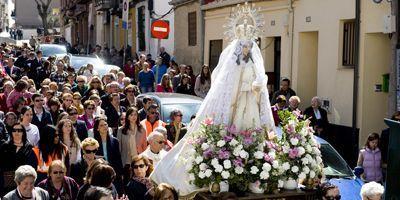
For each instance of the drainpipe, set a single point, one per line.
(202, 32)
(291, 35)
(356, 64)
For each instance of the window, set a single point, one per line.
(192, 28)
(215, 51)
(141, 28)
(349, 36)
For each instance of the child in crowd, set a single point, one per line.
(369, 159)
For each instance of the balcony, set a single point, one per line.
(103, 4)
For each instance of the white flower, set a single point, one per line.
(221, 143)
(280, 183)
(259, 155)
(199, 159)
(264, 175)
(316, 151)
(285, 166)
(238, 170)
(225, 174)
(203, 166)
(309, 148)
(208, 172)
(254, 170)
(272, 154)
(301, 151)
(302, 175)
(275, 164)
(319, 160)
(306, 170)
(244, 154)
(295, 169)
(191, 177)
(304, 161)
(202, 175)
(260, 147)
(205, 146)
(218, 168)
(227, 164)
(285, 149)
(214, 162)
(189, 166)
(233, 142)
(266, 167)
(236, 152)
(312, 174)
(294, 141)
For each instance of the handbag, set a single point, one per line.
(8, 177)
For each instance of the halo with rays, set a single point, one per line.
(246, 15)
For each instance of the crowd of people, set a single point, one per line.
(88, 136)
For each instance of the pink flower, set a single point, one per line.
(208, 121)
(231, 129)
(293, 153)
(268, 158)
(271, 135)
(245, 133)
(290, 128)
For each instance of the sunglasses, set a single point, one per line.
(77, 98)
(153, 113)
(58, 172)
(90, 108)
(95, 82)
(67, 99)
(90, 151)
(18, 130)
(179, 115)
(73, 113)
(160, 142)
(338, 197)
(80, 81)
(129, 91)
(41, 100)
(138, 166)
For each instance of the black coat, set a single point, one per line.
(137, 190)
(171, 132)
(113, 153)
(322, 123)
(78, 171)
(81, 129)
(46, 119)
(113, 116)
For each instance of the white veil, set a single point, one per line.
(172, 168)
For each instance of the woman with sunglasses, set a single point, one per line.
(70, 138)
(176, 129)
(16, 151)
(57, 184)
(79, 169)
(88, 117)
(130, 99)
(77, 102)
(95, 84)
(139, 187)
(50, 148)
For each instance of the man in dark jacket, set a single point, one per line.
(79, 125)
(41, 117)
(165, 56)
(285, 91)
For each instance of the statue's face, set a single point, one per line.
(246, 49)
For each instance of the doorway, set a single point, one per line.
(215, 51)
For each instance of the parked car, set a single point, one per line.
(79, 63)
(167, 102)
(338, 172)
(57, 50)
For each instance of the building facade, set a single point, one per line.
(312, 43)
(188, 34)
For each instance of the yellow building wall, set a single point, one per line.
(132, 18)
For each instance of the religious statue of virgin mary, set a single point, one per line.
(238, 95)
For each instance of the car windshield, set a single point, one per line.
(51, 50)
(334, 165)
(78, 62)
(188, 109)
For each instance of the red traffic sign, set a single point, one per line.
(160, 29)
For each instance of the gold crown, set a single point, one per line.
(244, 23)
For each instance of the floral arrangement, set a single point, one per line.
(244, 158)
(300, 155)
(223, 153)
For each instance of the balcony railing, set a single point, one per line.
(103, 4)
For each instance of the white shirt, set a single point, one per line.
(317, 113)
(154, 157)
(32, 134)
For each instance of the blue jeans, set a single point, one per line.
(147, 89)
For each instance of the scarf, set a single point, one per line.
(143, 180)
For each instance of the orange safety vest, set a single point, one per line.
(43, 167)
(149, 127)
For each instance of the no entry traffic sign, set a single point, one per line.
(160, 29)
